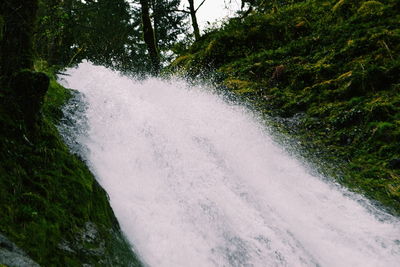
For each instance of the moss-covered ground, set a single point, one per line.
(50, 204)
(329, 67)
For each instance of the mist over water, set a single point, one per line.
(195, 181)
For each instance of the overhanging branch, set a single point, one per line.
(199, 5)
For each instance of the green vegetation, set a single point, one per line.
(51, 205)
(334, 66)
(107, 32)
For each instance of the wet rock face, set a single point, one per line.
(88, 242)
(94, 249)
(11, 255)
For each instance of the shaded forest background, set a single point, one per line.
(106, 32)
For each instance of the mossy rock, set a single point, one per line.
(181, 61)
(394, 189)
(383, 131)
(50, 201)
(371, 8)
(240, 87)
(236, 84)
(343, 6)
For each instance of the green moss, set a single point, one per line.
(49, 199)
(371, 8)
(340, 84)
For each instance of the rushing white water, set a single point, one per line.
(195, 181)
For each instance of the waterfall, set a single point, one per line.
(197, 181)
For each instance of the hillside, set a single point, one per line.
(328, 74)
(51, 205)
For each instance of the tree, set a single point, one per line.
(71, 30)
(168, 26)
(264, 5)
(192, 12)
(109, 32)
(16, 43)
(16, 62)
(149, 36)
(53, 37)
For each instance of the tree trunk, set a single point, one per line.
(195, 25)
(67, 34)
(16, 61)
(149, 39)
(16, 44)
(155, 6)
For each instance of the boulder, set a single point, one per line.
(11, 255)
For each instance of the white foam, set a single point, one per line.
(195, 181)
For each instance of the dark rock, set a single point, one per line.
(29, 89)
(394, 164)
(344, 139)
(278, 73)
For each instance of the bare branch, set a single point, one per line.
(180, 10)
(199, 5)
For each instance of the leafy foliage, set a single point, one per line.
(106, 32)
(69, 31)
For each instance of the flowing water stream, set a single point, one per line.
(195, 181)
